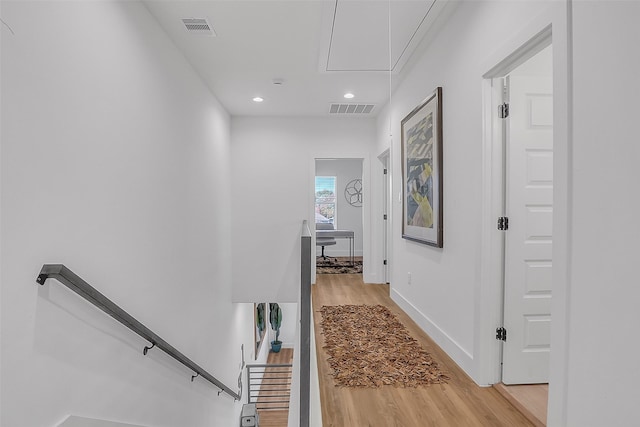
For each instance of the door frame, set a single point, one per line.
(487, 292)
(490, 301)
(365, 210)
(385, 160)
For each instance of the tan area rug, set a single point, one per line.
(369, 347)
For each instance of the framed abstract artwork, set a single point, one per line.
(260, 326)
(422, 172)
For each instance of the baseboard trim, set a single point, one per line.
(459, 355)
(75, 421)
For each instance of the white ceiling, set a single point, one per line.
(319, 48)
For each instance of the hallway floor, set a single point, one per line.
(459, 403)
(530, 399)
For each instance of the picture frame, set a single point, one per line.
(260, 326)
(422, 214)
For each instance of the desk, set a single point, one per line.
(339, 234)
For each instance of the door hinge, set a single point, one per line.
(503, 223)
(384, 262)
(384, 216)
(501, 334)
(384, 172)
(503, 110)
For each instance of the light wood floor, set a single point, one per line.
(460, 403)
(530, 399)
(274, 418)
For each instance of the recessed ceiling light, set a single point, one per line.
(257, 99)
(349, 95)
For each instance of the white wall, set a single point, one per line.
(273, 165)
(444, 289)
(601, 369)
(112, 160)
(115, 162)
(593, 378)
(348, 217)
(288, 329)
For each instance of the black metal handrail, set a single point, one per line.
(88, 292)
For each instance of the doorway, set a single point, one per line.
(528, 207)
(520, 122)
(339, 215)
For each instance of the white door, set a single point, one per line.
(528, 241)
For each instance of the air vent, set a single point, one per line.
(351, 108)
(199, 26)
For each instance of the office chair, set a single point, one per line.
(324, 241)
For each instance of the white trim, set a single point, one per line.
(488, 313)
(384, 155)
(369, 274)
(522, 54)
(462, 357)
(315, 405)
(79, 421)
(385, 206)
(559, 16)
(488, 302)
(562, 214)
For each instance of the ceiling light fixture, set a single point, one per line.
(349, 95)
(257, 99)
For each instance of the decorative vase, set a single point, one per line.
(276, 346)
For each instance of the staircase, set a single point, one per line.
(270, 388)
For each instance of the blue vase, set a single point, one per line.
(276, 346)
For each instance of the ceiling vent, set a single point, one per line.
(199, 26)
(351, 108)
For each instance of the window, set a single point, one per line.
(326, 199)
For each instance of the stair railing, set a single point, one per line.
(305, 324)
(71, 280)
(269, 385)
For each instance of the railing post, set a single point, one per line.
(305, 323)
